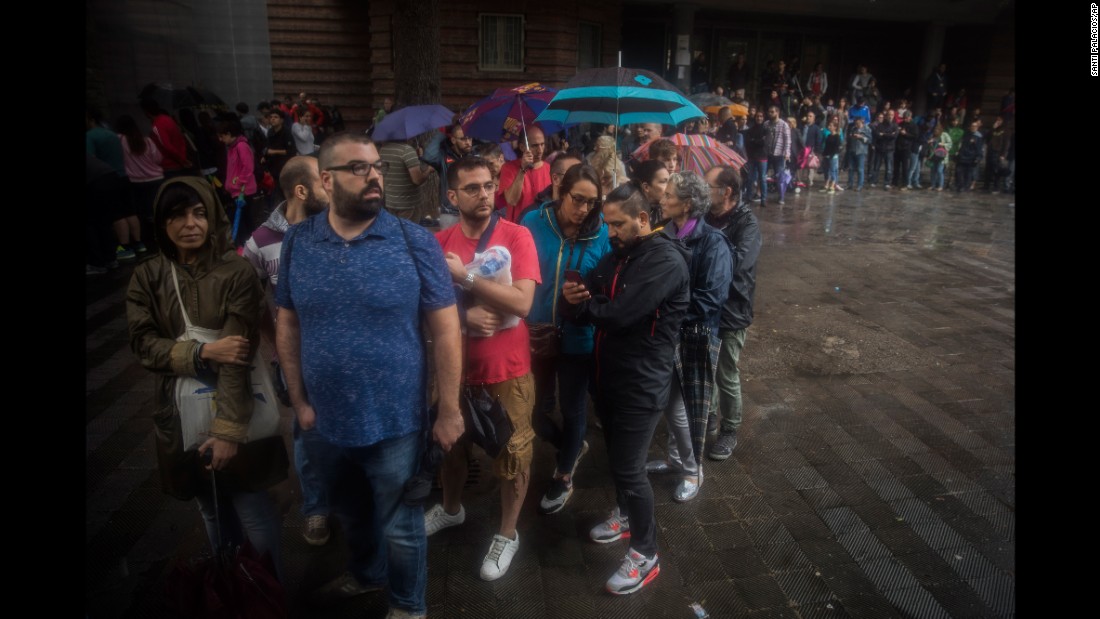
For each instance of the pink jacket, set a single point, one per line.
(239, 173)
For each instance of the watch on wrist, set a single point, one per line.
(468, 283)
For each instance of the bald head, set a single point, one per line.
(300, 181)
(298, 170)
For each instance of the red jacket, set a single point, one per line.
(171, 143)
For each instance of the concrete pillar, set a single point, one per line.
(684, 21)
(930, 58)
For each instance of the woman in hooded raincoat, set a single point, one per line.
(221, 292)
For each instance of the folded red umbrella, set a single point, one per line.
(698, 153)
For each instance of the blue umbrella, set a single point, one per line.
(411, 121)
(619, 96)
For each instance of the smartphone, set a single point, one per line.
(574, 276)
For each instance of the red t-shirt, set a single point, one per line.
(533, 182)
(507, 354)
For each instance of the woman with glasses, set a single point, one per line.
(197, 277)
(570, 237)
(686, 200)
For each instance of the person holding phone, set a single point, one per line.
(570, 238)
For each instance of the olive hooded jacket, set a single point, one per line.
(221, 292)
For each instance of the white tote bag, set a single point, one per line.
(195, 399)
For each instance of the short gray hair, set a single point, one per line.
(690, 187)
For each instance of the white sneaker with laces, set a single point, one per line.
(436, 519)
(635, 572)
(499, 558)
(615, 527)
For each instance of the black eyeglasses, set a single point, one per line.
(362, 168)
(589, 202)
(475, 190)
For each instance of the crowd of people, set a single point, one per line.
(949, 139)
(618, 278)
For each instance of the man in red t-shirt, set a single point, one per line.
(498, 358)
(524, 177)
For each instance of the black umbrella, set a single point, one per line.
(171, 98)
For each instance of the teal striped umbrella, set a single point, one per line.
(619, 96)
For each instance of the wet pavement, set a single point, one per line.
(874, 474)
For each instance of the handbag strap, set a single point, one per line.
(176, 282)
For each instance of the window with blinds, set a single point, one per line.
(588, 46)
(500, 42)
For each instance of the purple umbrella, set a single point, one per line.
(502, 115)
(411, 121)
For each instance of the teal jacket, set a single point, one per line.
(556, 254)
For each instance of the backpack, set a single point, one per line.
(939, 153)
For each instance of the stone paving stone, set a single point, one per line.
(998, 592)
(727, 535)
(803, 526)
(862, 544)
(824, 552)
(822, 498)
(788, 503)
(783, 557)
(767, 531)
(888, 574)
(751, 507)
(831, 609)
(917, 602)
(719, 599)
(759, 592)
(870, 607)
(742, 562)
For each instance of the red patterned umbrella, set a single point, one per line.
(698, 153)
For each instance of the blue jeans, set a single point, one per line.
(758, 171)
(251, 514)
(937, 174)
(880, 157)
(570, 372)
(856, 163)
(314, 485)
(914, 171)
(834, 162)
(385, 536)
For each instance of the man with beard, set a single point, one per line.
(355, 282)
(777, 147)
(305, 196)
(525, 176)
(441, 152)
(636, 297)
(498, 354)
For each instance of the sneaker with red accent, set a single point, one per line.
(635, 572)
(615, 527)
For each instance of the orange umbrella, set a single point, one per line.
(735, 108)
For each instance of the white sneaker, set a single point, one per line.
(615, 527)
(635, 572)
(499, 558)
(436, 519)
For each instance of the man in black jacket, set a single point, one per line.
(736, 221)
(886, 137)
(637, 297)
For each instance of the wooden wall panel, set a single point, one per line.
(323, 47)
